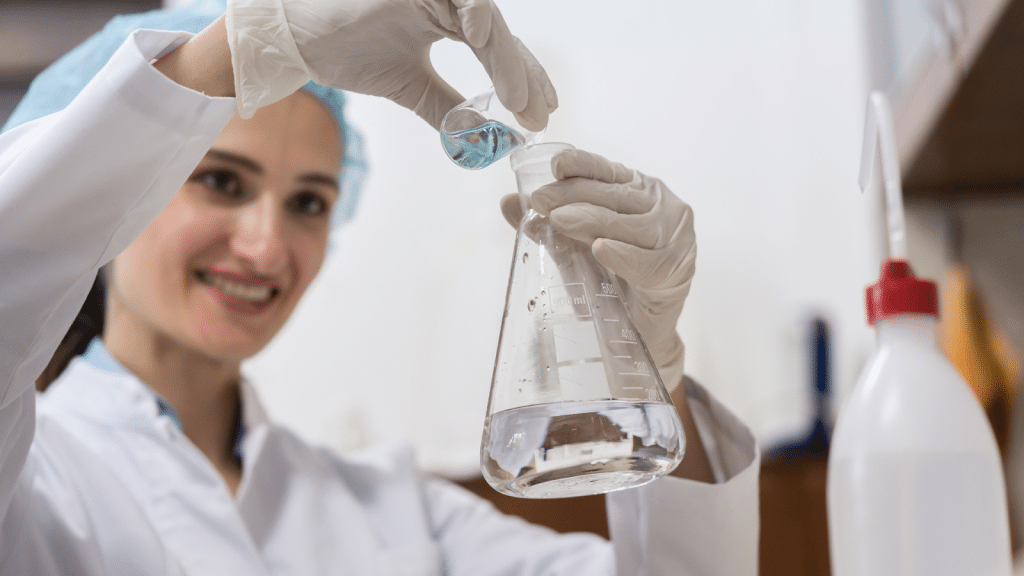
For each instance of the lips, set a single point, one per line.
(250, 291)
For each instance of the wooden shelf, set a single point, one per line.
(976, 144)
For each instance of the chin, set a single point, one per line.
(231, 349)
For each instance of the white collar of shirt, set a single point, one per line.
(253, 413)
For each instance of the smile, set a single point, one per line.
(257, 294)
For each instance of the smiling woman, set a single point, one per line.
(222, 267)
(220, 270)
(151, 454)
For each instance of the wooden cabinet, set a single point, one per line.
(794, 536)
(976, 143)
(794, 524)
(955, 74)
(584, 514)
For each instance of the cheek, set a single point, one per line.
(160, 254)
(310, 260)
(142, 273)
(142, 258)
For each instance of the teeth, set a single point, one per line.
(257, 294)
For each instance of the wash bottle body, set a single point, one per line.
(915, 480)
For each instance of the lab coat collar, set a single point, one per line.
(379, 525)
(185, 497)
(253, 413)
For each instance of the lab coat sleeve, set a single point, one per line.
(671, 527)
(76, 187)
(477, 540)
(675, 526)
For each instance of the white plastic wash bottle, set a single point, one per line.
(915, 482)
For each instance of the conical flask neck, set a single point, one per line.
(532, 166)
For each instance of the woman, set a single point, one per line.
(151, 455)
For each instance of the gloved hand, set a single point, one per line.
(380, 48)
(638, 229)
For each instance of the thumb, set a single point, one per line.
(620, 258)
(645, 269)
(436, 98)
(512, 209)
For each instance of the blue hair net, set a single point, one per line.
(54, 88)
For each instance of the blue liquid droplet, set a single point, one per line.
(481, 146)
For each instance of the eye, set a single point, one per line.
(309, 203)
(224, 182)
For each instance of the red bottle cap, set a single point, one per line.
(898, 291)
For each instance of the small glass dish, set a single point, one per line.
(480, 131)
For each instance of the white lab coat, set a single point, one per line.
(94, 480)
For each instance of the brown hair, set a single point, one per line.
(87, 325)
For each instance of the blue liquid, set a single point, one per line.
(481, 146)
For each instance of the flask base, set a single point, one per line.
(586, 479)
(580, 448)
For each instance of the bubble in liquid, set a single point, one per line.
(531, 305)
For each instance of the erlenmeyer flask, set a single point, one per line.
(577, 406)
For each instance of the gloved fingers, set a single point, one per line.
(622, 198)
(436, 98)
(670, 221)
(474, 18)
(543, 100)
(520, 82)
(512, 209)
(582, 164)
(499, 55)
(586, 223)
(661, 275)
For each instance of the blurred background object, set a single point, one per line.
(36, 32)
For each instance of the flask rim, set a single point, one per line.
(537, 152)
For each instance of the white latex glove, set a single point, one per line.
(638, 229)
(380, 48)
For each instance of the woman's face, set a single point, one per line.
(221, 269)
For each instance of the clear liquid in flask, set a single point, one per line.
(481, 146)
(580, 448)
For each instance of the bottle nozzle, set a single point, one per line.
(880, 136)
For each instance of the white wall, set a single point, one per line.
(750, 111)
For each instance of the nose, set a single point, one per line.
(259, 235)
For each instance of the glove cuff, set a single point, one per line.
(265, 58)
(669, 359)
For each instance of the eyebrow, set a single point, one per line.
(249, 164)
(322, 179)
(236, 159)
